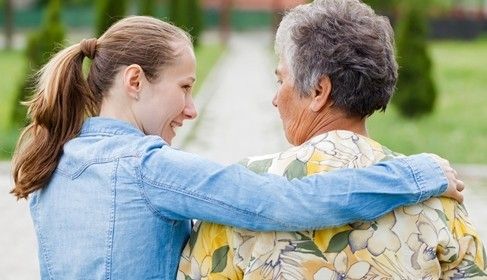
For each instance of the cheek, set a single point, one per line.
(283, 102)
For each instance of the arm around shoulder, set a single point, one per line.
(181, 185)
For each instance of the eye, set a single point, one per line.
(187, 88)
(279, 82)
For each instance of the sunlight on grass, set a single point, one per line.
(12, 67)
(206, 57)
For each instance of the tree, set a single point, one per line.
(9, 23)
(188, 15)
(147, 7)
(40, 46)
(107, 13)
(416, 91)
(382, 5)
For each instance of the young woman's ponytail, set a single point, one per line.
(61, 102)
(64, 98)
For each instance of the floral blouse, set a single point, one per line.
(430, 240)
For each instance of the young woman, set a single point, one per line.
(109, 197)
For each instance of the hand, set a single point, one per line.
(455, 186)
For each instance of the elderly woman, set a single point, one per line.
(336, 68)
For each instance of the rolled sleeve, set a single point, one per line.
(430, 178)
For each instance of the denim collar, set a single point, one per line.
(108, 126)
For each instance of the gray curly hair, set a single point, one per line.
(346, 41)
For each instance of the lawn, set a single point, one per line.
(457, 130)
(12, 66)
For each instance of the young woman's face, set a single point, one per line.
(165, 103)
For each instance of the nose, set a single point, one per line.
(190, 109)
(274, 101)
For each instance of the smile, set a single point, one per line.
(175, 124)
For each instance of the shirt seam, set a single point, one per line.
(44, 249)
(177, 189)
(111, 227)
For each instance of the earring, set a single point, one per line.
(137, 97)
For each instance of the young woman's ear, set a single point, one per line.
(132, 80)
(321, 94)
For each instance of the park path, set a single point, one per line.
(235, 107)
(241, 89)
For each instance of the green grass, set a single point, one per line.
(457, 130)
(12, 68)
(206, 57)
(12, 65)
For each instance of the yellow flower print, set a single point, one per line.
(342, 271)
(427, 209)
(302, 153)
(424, 245)
(376, 236)
(269, 250)
(198, 270)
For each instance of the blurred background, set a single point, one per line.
(444, 42)
(439, 106)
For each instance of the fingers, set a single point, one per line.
(455, 172)
(455, 185)
(458, 196)
(460, 185)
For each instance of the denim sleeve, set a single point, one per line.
(179, 185)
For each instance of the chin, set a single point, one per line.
(290, 139)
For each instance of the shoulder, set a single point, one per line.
(82, 152)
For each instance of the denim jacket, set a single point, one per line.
(119, 204)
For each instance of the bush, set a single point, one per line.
(416, 91)
(41, 45)
(188, 15)
(107, 13)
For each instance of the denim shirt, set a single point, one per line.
(119, 204)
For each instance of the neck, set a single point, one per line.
(110, 109)
(337, 120)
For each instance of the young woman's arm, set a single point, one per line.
(181, 185)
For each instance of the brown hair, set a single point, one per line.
(64, 98)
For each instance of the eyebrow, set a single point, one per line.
(277, 72)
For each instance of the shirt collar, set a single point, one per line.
(102, 125)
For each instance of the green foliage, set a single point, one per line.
(188, 15)
(416, 91)
(394, 6)
(456, 129)
(66, 3)
(147, 7)
(41, 45)
(107, 13)
(381, 5)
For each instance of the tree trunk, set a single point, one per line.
(277, 15)
(225, 20)
(9, 23)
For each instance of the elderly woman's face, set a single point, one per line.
(294, 110)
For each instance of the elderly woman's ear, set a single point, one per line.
(321, 95)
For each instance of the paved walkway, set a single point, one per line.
(240, 111)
